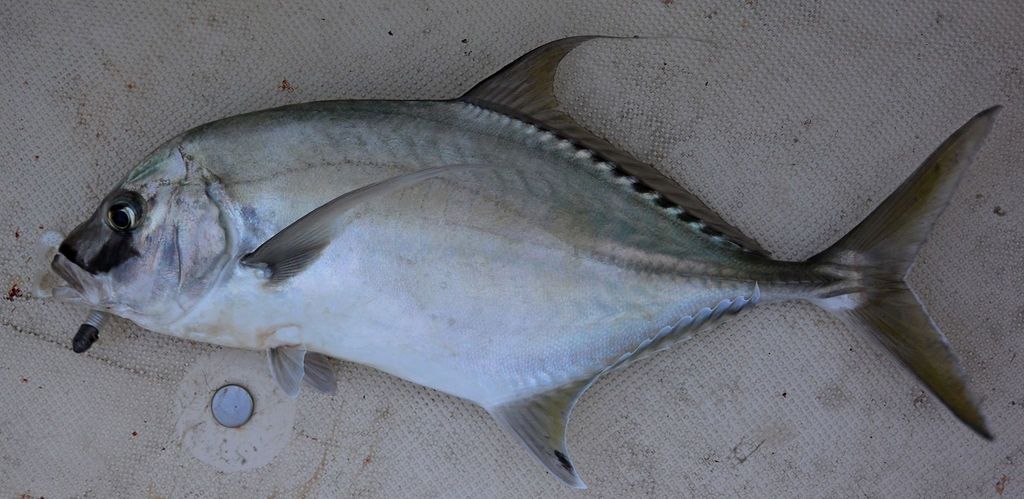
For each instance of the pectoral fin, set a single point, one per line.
(292, 250)
(540, 424)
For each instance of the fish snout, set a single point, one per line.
(69, 253)
(74, 275)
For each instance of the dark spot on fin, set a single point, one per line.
(641, 187)
(564, 461)
(711, 231)
(664, 203)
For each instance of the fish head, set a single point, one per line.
(153, 247)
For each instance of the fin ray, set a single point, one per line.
(287, 367)
(895, 231)
(897, 319)
(319, 373)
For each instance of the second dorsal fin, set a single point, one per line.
(525, 90)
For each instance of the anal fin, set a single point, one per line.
(540, 423)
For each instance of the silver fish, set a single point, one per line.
(489, 247)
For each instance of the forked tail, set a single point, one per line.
(874, 258)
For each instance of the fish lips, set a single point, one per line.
(67, 271)
(83, 286)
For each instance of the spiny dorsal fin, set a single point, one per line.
(525, 90)
(540, 423)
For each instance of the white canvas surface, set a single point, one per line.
(792, 119)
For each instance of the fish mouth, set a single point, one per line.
(66, 269)
(62, 266)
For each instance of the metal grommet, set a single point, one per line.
(232, 406)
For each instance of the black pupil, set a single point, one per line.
(121, 217)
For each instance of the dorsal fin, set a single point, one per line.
(525, 90)
(540, 422)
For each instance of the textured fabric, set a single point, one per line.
(793, 121)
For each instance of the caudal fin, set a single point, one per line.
(875, 257)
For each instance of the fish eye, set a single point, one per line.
(124, 214)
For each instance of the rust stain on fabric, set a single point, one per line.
(1001, 484)
(14, 292)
